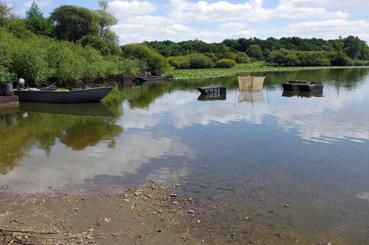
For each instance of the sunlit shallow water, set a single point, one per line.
(250, 155)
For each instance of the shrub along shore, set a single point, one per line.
(76, 45)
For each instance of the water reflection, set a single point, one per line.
(248, 154)
(251, 97)
(89, 109)
(27, 130)
(69, 170)
(162, 112)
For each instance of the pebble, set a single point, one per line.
(173, 195)
(286, 205)
(191, 211)
(246, 218)
(138, 193)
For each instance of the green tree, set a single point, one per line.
(36, 22)
(340, 59)
(150, 58)
(354, 47)
(255, 51)
(5, 12)
(105, 19)
(72, 23)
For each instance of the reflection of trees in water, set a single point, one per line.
(143, 96)
(339, 78)
(89, 133)
(44, 129)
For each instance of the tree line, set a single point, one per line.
(292, 51)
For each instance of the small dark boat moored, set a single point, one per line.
(89, 95)
(152, 78)
(303, 86)
(212, 90)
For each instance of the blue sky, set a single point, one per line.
(215, 20)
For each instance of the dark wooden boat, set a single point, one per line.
(89, 95)
(84, 109)
(303, 86)
(213, 91)
(151, 78)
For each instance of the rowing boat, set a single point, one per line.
(89, 95)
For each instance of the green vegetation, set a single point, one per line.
(240, 69)
(5, 75)
(226, 63)
(286, 52)
(149, 58)
(73, 46)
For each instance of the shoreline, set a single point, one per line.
(149, 214)
(247, 68)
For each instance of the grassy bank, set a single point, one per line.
(243, 69)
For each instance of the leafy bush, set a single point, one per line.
(361, 63)
(292, 60)
(152, 59)
(255, 52)
(6, 76)
(65, 64)
(225, 63)
(212, 56)
(341, 59)
(277, 57)
(30, 63)
(179, 62)
(101, 44)
(198, 60)
(242, 58)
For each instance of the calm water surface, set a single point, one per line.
(245, 156)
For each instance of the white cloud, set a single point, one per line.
(218, 11)
(122, 9)
(331, 28)
(69, 170)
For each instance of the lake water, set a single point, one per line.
(268, 167)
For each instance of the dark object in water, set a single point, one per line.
(303, 86)
(89, 109)
(214, 91)
(89, 95)
(211, 97)
(6, 89)
(301, 94)
(151, 78)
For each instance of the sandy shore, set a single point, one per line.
(150, 214)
